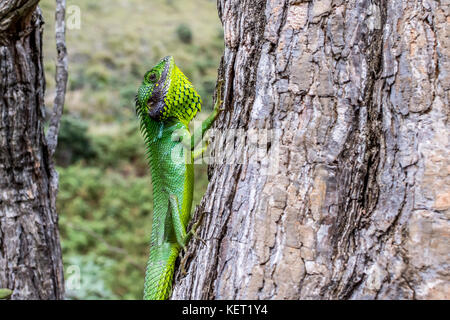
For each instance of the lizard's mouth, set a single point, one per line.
(155, 105)
(149, 103)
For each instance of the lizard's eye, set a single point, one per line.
(152, 77)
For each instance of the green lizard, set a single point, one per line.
(165, 103)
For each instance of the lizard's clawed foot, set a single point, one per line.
(195, 235)
(193, 230)
(183, 264)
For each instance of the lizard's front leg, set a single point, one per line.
(198, 153)
(200, 132)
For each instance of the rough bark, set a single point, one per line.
(30, 254)
(359, 205)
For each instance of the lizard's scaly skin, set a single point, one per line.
(166, 102)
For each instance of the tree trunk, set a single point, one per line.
(30, 253)
(357, 207)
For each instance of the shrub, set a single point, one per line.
(97, 76)
(184, 33)
(73, 142)
(105, 223)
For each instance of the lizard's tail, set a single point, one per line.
(159, 273)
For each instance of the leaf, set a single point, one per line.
(5, 293)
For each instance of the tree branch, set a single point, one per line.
(60, 76)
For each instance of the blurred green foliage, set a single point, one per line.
(105, 195)
(105, 218)
(73, 141)
(184, 33)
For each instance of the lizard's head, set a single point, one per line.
(167, 93)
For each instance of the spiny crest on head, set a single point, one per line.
(167, 93)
